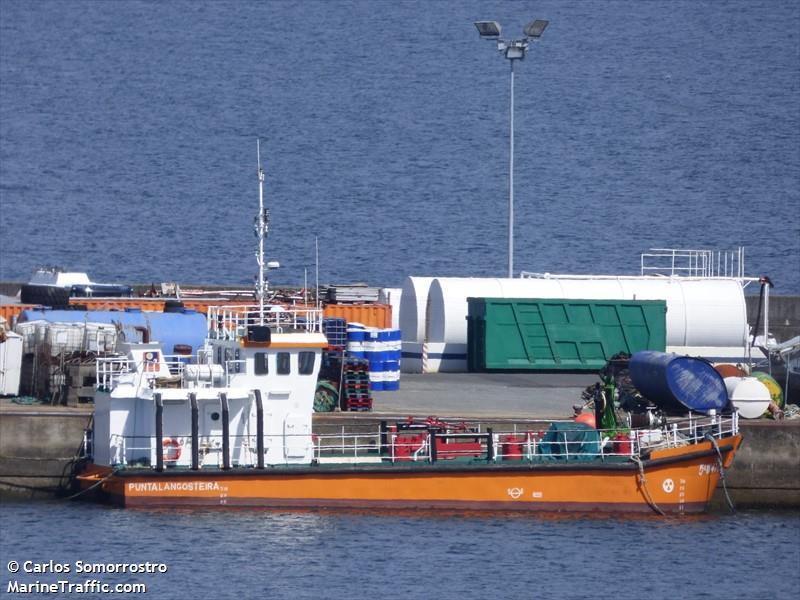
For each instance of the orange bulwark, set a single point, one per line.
(674, 480)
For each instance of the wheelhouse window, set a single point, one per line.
(262, 363)
(306, 363)
(283, 363)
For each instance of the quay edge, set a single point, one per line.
(38, 443)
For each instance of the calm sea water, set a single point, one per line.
(265, 554)
(127, 149)
(128, 137)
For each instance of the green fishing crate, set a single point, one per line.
(530, 334)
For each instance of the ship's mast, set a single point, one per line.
(262, 227)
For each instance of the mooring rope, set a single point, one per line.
(643, 485)
(713, 441)
(91, 487)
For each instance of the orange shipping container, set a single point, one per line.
(371, 315)
(148, 304)
(11, 311)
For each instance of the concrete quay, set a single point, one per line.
(38, 442)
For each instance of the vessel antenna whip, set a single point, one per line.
(262, 226)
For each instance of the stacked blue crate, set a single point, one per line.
(335, 330)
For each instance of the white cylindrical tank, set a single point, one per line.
(392, 296)
(749, 395)
(413, 299)
(700, 312)
(446, 313)
(203, 374)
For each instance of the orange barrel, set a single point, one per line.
(729, 371)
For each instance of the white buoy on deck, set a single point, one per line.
(748, 395)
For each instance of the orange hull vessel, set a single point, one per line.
(671, 480)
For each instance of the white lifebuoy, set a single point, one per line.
(171, 449)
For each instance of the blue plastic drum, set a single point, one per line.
(678, 383)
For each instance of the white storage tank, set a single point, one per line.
(392, 297)
(446, 310)
(413, 300)
(700, 312)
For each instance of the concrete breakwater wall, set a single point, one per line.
(784, 315)
(766, 471)
(37, 445)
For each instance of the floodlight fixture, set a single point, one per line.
(535, 29)
(489, 30)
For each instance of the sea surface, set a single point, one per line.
(346, 554)
(128, 137)
(128, 149)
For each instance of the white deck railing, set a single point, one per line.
(424, 446)
(231, 322)
(110, 369)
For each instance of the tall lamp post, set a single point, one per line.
(513, 50)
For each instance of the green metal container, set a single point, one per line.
(532, 334)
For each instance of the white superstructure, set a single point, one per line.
(240, 366)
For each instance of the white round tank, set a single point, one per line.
(391, 296)
(715, 311)
(413, 300)
(446, 313)
(671, 291)
(700, 312)
(749, 395)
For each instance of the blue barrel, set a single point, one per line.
(678, 383)
(355, 341)
(185, 328)
(375, 362)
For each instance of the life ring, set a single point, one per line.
(172, 449)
